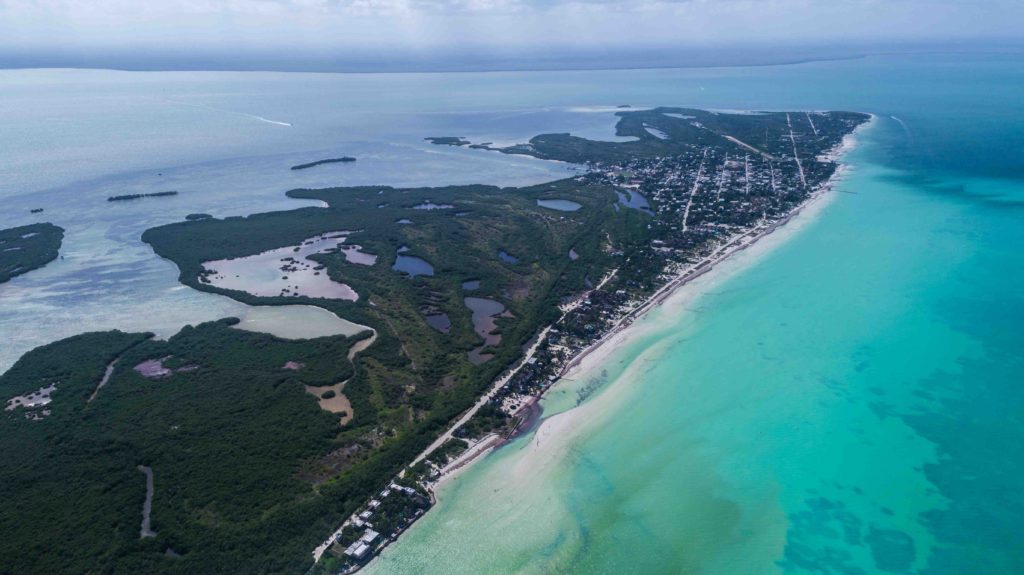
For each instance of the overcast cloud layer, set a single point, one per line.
(326, 27)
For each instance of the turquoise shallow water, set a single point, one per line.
(850, 403)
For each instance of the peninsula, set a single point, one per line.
(25, 248)
(475, 299)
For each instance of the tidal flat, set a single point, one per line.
(285, 271)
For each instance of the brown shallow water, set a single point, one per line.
(485, 313)
(336, 404)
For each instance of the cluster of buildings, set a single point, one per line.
(371, 528)
(697, 199)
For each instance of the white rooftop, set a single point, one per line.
(357, 550)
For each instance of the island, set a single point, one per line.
(475, 298)
(25, 248)
(127, 197)
(343, 159)
(447, 140)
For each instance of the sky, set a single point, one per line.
(165, 31)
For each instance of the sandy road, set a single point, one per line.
(693, 191)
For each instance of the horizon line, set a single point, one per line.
(430, 67)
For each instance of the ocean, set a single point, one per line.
(848, 402)
(844, 399)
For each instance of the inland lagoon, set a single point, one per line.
(485, 315)
(287, 271)
(295, 322)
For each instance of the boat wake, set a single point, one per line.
(267, 120)
(232, 112)
(906, 129)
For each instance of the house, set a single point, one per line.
(357, 550)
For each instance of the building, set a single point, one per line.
(358, 550)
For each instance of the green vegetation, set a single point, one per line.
(414, 380)
(448, 451)
(235, 443)
(343, 159)
(488, 419)
(25, 248)
(138, 196)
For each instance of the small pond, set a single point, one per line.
(633, 200)
(507, 257)
(440, 322)
(354, 255)
(413, 266)
(560, 205)
(656, 132)
(485, 314)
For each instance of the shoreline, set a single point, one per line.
(599, 351)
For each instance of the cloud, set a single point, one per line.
(382, 25)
